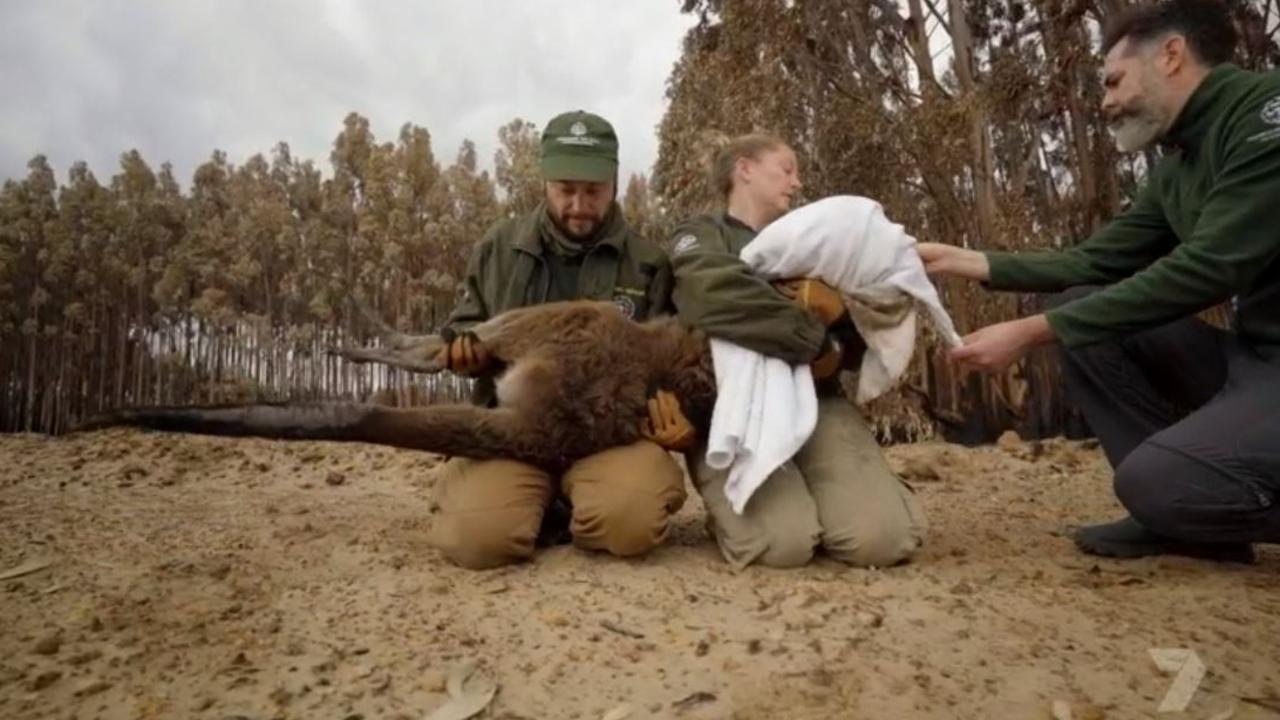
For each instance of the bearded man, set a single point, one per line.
(1188, 414)
(574, 245)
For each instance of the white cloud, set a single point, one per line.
(89, 80)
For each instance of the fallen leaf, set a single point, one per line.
(622, 712)
(695, 699)
(465, 698)
(25, 568)
(1225, 714)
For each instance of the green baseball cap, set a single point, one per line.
(579, 146)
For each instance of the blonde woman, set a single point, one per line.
(837, 493)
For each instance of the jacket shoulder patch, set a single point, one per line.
(1271, 111)
(1270, 115)
(684, 244)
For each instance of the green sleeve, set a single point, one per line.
(659, 291)
(716, 292)
(1123, 246)
(1234, 240)
(472, 308)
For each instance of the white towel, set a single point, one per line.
(766, 409)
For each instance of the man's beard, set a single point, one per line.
(593, 226)
(1140, 124)
(1136, 130)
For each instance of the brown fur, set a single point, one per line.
(576, 378)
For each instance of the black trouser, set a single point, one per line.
(1189, 417)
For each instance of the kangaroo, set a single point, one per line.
(574, 380)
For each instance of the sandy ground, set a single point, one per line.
(196, 577)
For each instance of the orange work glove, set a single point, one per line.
(815, 296)
(465, 355)
(666, 425)
(829, 361)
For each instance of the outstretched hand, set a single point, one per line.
(942, 259)
(995, 347)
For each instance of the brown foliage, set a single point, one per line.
(974, 123)
(134, 293)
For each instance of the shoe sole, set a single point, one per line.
(1131, 552)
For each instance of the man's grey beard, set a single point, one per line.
(1136, 131)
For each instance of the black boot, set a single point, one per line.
(1128, 539)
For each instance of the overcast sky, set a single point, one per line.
(91, 79)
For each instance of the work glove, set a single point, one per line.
(464, 354)
(815, 296)
(829, 360)
(666, 425)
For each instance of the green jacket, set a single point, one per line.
(1204, 229)
(716, 292)
(512, 267)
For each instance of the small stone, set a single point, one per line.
(49, 645)
(133, 471)
(870, 619)
(702, 649)
(920, 470)
(335, 478)
(280, 696)
(753, 646)
(1009, 440)
(44, 680)
(962, 588)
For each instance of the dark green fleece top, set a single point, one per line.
(1204, 229)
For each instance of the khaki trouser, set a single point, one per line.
(490, 510)
(838, 492)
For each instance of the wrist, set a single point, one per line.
(980, 266)
(1037, 330)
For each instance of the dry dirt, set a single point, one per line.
(194, 577)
